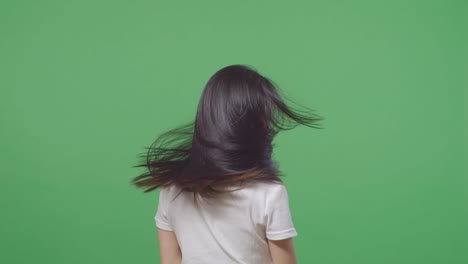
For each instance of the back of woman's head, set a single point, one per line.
(230, 142)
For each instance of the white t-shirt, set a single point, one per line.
(230, 229)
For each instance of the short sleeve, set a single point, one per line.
(279, 224)
(162, 218)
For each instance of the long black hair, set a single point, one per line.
(239, 113)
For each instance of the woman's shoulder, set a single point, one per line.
(170, 191)
(266, 189)
(268, 186)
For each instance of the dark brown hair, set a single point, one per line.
(239, 113)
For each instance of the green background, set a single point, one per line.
(86, 85)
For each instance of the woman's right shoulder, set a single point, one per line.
(269, 185)
(267, 188)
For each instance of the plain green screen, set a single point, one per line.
(86, 85)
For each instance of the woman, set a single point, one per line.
(222, 200)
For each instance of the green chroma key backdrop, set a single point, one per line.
(86, 85)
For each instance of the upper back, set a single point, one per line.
(230, 229)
